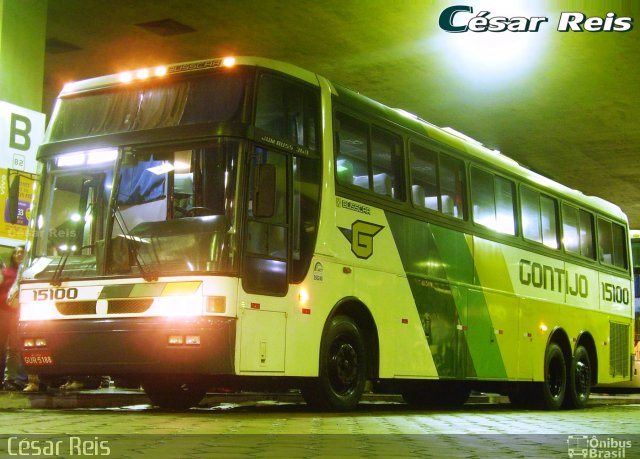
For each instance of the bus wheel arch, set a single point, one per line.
(354, 308)
(345, 359)
(551, 392)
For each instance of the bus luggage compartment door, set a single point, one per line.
(262, 340)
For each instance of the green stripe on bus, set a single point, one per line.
(456, 250)
(440, 270)
(116, 291)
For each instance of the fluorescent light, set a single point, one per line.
(72, 159)
(161, 169)
(181, 166)
(78, 158)
(105, 155)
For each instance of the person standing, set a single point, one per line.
(10, 361)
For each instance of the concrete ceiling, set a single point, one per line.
(569, 110)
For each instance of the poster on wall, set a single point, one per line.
(16, 196)
(21, 133)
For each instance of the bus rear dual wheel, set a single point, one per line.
(567, 386)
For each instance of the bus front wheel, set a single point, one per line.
(550, 394)
(343, 368)
(173, 394)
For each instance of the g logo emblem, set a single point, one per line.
(361, 236)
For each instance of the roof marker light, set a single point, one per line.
(126, 77)
(160, 71)
(142, 74)
(229, 61)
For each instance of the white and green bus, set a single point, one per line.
(247, 224)
(635, 251)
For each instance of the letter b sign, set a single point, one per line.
(21, 132)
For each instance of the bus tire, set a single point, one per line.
(579, 387)
(550, 394)
(342, 370)
(174, 395)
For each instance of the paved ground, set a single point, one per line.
(231, 427)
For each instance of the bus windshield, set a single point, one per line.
(173, 209)
(218, 97)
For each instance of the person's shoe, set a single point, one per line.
(12, 386)
(32, 387)
(72, 385)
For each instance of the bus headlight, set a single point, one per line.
(176, 306)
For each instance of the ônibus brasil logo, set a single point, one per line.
(460, 18)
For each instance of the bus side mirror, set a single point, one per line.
(264, 193)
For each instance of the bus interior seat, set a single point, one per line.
(417, 195)
(382, 184)
(448, 205)
(362, 181)
(344, 169)
(431, 202)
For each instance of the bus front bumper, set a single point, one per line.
(129, 346)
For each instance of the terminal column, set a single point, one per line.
(23, 25)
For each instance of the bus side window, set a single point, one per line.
(452, 186)
(424, 177)
(352, 158)
(387, 164)
(577, 231)
(539, 217)
(493, 201)
(287, 110)
(612, 244)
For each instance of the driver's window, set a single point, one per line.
(266, 239)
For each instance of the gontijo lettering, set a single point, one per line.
(555, 279)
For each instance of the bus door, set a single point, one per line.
(265, 266)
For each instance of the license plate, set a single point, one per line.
(38, 359)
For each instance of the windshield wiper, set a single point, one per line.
(149, 275)
(56, 278)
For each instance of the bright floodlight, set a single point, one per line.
(495, 57)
